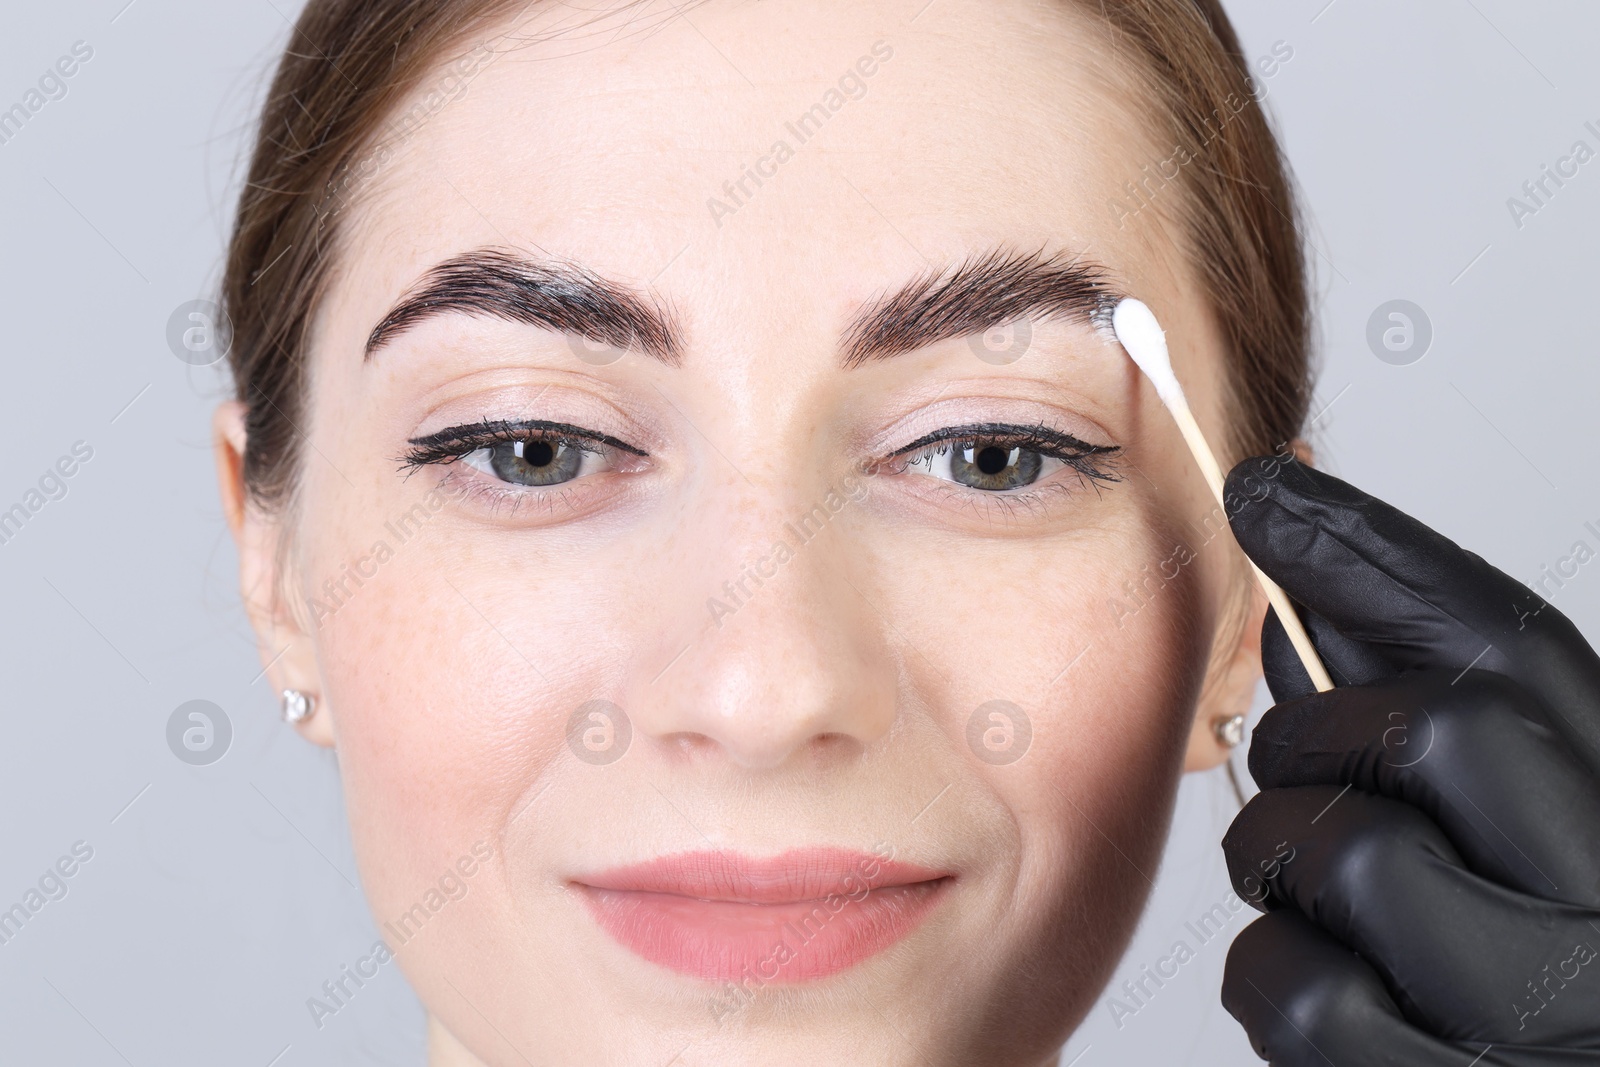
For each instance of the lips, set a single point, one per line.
(796, 917)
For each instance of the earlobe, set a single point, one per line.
(314, 721)
(286, 649)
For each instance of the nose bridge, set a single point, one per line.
(787, 539)
(787, 651)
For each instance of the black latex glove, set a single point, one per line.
(1426, 844)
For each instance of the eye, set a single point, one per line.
(536, 461)
(525, 454)
(999, 458)
(987, 465)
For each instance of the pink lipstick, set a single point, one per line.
(798, 916)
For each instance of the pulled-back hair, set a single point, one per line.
(335, 105)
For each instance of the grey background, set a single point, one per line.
(220, 897)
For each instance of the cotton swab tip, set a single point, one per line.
(1141, 335)
(1136, 327)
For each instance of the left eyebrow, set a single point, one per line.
(502, 284)
(985, 290)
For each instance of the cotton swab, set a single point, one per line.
(1141, 335)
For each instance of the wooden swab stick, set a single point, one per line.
(1142, 336)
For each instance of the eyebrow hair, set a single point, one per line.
(985, 290)
(561, 296)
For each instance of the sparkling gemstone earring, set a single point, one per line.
(297, 705)
(1229, 732)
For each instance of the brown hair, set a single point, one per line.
(1237, 206)
(350, 63)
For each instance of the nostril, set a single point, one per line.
(831, 742)
(690, 745)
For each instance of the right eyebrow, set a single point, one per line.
(986, 289)
(561, 296)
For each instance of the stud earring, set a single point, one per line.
(297, 705)
(1229, 732)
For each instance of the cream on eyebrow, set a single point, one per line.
(559, 296)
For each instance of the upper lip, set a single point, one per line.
(796, 875)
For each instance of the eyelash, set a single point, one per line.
(456, 443)
(1093, 463)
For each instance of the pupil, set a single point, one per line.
(992, 460)
(538, 453)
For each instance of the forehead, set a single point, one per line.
(779, 136)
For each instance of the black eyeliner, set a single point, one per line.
(490, 431)
(1001, 431)
(455, 442)
(1076, 453)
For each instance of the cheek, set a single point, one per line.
(1104, 655)
(1094, 645)
(1119, 666)
(449, 673)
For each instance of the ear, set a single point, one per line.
(283, 639)
(1230, 685)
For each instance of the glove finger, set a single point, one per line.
(1456, 951)
(1349, 662)
(1414, 596)
(1307, 1001)
(1507, 792)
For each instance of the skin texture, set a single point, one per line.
(831, 707)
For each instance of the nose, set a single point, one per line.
(786, 658)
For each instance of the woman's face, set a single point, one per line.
(806, 680)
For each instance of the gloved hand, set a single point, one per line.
(1426, 845)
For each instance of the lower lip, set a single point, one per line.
(770, 922)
